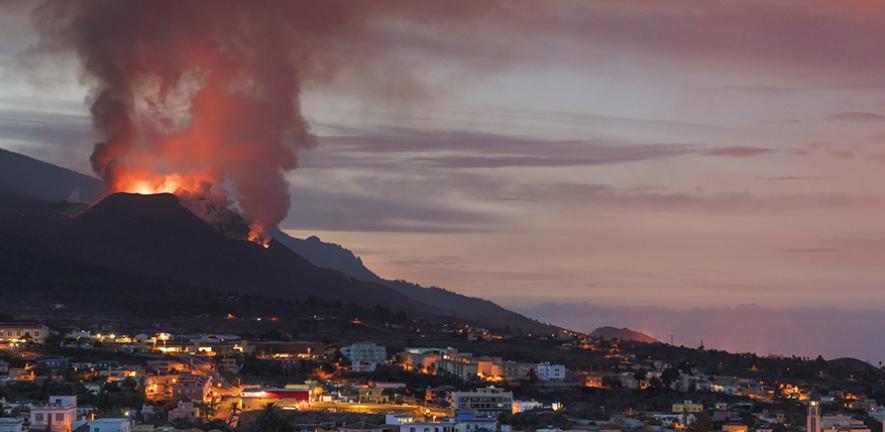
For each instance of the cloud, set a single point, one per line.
(768, 90)
(728, 202)
(788, 178)
(855, 116)
(841, 154)
(454, 149)
(737, 151)
(811, 250)
(326, 210)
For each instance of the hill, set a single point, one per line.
(127, 239)
(337, 257)
(624, 334)
(154, 236)
(31, 177)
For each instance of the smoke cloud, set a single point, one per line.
(201, 98)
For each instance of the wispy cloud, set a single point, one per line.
(325, 210)
(737, 151)
(788, 178)
(729, 202)
(464, 149)
(856, 116)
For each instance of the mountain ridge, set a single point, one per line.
(623, 333)
(131, 233)
(338, 257)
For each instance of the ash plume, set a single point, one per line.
(200, 98)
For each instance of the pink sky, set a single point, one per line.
(619, 153)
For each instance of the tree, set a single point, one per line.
(234, 413)
(669, 376)
(270, 420)
(702, 423)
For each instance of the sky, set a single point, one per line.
(625, 153)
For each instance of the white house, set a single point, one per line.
(550, 372)
(488, 402)
(364, 356)
(56, 416)
(23, 332)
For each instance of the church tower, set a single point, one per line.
(813, 421)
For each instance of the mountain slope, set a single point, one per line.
(31, 177)
(624, 334)
(337, 257)
(327, 255)
(155, 237)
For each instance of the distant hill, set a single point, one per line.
(31, 177)
(622, 334)
(327, 255)
(335, 256)
(851, 365)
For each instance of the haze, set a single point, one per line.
(626, 154)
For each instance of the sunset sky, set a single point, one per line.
(616, 153)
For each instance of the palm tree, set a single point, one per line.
(234, 413)
(270, 420)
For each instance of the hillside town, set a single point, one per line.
(58, 379)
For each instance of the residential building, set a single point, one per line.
(109, 425)
(364, 356)
(468, 421)
(842, 423)
(11, 424)
(424, 426)
(550, 372)
(457, 365)
(293, 349)
(734, 427)
(159, 387)
(628, 380)
(422, 359)
(516, 370)
(53, 362)
(191, 386)
(371, 394)
(185, 411)
(362, 427)
(687, 407)
(57, 415)
(488, 402)
(525, 406)
(23, 332)
(490, 368)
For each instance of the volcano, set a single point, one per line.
(155, 236)
(151, 249)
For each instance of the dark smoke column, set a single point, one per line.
(198, 96)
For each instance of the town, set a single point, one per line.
(102, 379)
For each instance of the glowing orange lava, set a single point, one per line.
(144, 183)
